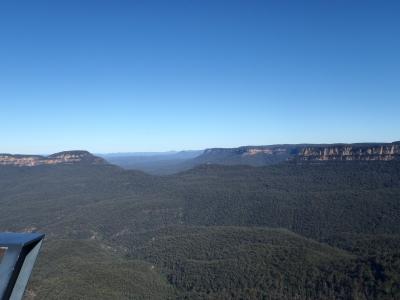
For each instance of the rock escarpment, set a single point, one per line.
(265, 155)
(250, 150)
(246, 155)
(356, 152)
(66, 157)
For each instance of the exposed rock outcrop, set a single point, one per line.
(66, 157)
(382, 152)
(251, 150)
(265, 155)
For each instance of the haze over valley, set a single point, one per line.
(281, 221)
(200, 149)
(173, 162)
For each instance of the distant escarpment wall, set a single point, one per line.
(382, 152)
(67, 157)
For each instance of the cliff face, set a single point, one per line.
(67, 157)
(250, 150)
(264, 155)
(350, 152)
(247, 155)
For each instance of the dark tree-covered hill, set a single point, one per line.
(294, 230)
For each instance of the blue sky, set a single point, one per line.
(115, 76)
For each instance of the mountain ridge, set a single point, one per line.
(244, 155)
(270, 154)
(284, 231)
(64, 157)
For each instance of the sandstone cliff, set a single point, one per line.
(67, 157)
(265, 155)
(348, 152)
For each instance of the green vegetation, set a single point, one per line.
(293, 231)
(243, 263)
(315, 200)
(76, 269)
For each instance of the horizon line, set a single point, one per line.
(190, 150)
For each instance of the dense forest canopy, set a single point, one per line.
(326, 230)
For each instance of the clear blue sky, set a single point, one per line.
(109, 75)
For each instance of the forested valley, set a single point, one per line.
(294, 230)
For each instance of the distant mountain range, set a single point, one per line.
(169, 163)
(159, 163)
(172, 162)
(312, 228)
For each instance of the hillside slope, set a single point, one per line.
(208, 232)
